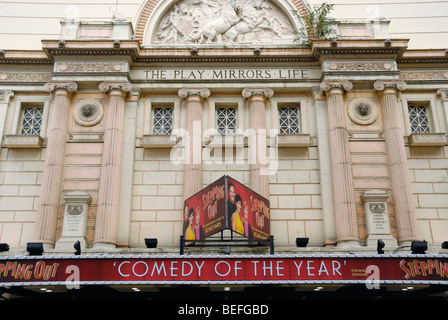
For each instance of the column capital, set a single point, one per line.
(341, 86)
(191, 92)
(108, 87)
(66, 86)
(6, 95)
(257, 92)
(443, 93)
(382, 86)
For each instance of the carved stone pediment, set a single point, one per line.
(223, 22)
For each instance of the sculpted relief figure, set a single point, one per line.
(224, 22)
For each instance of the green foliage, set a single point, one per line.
(317, 24)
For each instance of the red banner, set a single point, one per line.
(222, 269)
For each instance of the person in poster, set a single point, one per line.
(189, 232)
(246, 224)
(231, 206)
(198, 230)
(237, 221)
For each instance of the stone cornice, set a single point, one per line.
(395, 49)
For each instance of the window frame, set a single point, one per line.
(23, 102)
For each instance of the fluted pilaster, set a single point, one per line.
(50, 196)
(402, 196)
(344, 196)
(194, 98)
(109, 188)
(258, 165)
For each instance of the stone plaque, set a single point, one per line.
(75, 220)
(377, 218)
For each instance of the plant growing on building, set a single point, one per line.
(317, 24)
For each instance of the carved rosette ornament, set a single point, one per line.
(363, 111)
(88, 112)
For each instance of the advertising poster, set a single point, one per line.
(205, 212)
(226, 204)
(247, 212)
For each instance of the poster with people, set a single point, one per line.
(205, 212)
(226, 204)
(248, 213)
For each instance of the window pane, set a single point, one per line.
(32, 121)
(226, 120)
(163, 120)
(419, 119)
(289, 120)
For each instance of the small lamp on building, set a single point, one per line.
(77, 247)
(301, 242)
(419, 247)
(151, 243)
(379, 246)
(4, 247)
(445, 245)
(35, 248)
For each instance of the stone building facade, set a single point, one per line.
(107, 129)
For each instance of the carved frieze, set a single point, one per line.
(224, 22)
(361, 66)
(424, 75)
(90, 67)
(25, 76)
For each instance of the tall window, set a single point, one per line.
(32, 120)
(418, 117)
(163, 121)
(289, 120)
(226, 120)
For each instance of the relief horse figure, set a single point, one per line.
(228, 17)
(254, 19)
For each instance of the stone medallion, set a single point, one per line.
(88, 112)
(363, 111)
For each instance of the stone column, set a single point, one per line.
(444, 95)
(194, 98)
(258, 164)
(50, 194)
(344, 196)
(109, 188)
(402, 196)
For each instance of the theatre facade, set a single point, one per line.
(108, 130)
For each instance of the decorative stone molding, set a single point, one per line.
(327, 86)
(90, 67)
(361, 66)
(25, 76)
(22, 141)
(68, 86)
(394, 85)
(6, 95)
(443, 93)
(263, 92)
(88, 112)
(428, 139)
(363, 111)
(424, 75)
(188, 92)
(124, 87)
